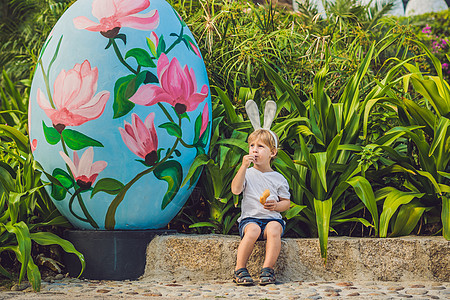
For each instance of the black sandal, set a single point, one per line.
(267, 276)
(242, 277)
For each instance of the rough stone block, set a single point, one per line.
(203, 257)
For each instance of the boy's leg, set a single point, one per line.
(272, 234)
(251, 234)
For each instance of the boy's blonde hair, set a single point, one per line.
(264, 136)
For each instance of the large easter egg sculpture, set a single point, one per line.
(119, 111)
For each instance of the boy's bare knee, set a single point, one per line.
(273, 230)
(252, 231)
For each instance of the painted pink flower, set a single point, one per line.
(33, 145)
(178, 87)
(84, 170)
(140, 137)
(205, 119)
(115, 14)
(152, 43)
(74, 98)
(195, 49)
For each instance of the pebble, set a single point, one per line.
(20, 287)
(68, 288)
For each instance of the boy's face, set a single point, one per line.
(261, 153)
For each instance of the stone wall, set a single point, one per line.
(203, 257)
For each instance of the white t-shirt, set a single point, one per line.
(255, 183)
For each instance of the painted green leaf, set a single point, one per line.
(197, 127)
(172, 129)
(59, 192)
(161, 46)
(76, 140)
(51, 134)
(171, 172)
(150, 77)
(122, 37)
(151, 46)
(142, 57)
(124, 88)
(107, 185)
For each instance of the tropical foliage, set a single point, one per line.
(26, 211)
(363, 116)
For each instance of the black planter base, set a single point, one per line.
(110, 255)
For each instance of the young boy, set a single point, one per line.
(260, 221)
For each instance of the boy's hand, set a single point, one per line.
(247, 160)
(270, 205)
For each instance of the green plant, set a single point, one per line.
(424, 162)
(221, 164)
(25, 207)
(24, 26)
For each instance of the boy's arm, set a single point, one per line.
(278, 206)
(237, 185)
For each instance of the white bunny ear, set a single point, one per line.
(253, 113)
(269, 113)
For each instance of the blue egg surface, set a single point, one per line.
(120, 108)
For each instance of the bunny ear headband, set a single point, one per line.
(269, 114)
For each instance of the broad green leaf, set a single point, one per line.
(283, 87)
(294, 210)
(6, 179)
(203, 224)
(393, 200)
(5, 273)
(319, 164)
(142, 57)
(107, 185)
(198, 162)
(48, 238)
(171, 172)
(230, 111)
(430, 177)
(445, 217)
(364, 191)
(428, 89)
(234, 142)
(361, 220)
(323, 213)
(440, 134)
(52, 136)
(407, 219)
(23, 251)
(20, 139)
(34, 275)
(422, 116)
(172, 129)
(76, 140)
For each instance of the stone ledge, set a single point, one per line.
(204, 257)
